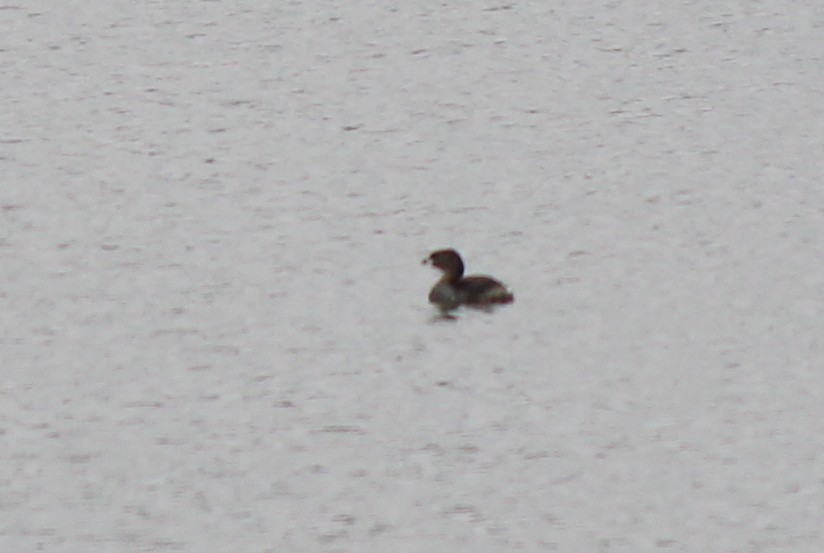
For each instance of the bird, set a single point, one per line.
(453, 289)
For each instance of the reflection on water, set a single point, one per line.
(454, 314)
(444, 316)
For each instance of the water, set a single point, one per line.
(214, 323)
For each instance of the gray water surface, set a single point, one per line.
(214, 333)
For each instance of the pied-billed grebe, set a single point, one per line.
(454, 289)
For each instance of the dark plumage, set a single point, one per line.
(454, 289)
